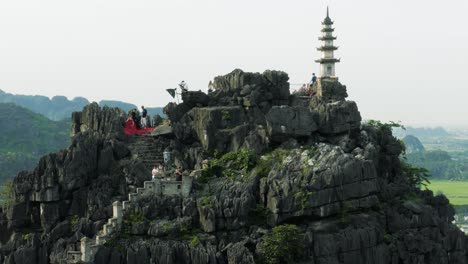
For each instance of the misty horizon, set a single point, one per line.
(401, 61)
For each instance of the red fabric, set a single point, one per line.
(130, 128)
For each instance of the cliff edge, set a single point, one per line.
(274, 178)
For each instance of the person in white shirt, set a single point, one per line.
(183, 86)
(154, 172)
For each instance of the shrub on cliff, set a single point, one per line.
(282, 245)
(229, 165)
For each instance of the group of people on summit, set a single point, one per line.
(161, 172)
(309, 87)
(137, 123)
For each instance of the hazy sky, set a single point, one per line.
(401, 60)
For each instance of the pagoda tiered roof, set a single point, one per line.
(328, 29)
(327, 60)
(327, 38)
(327, 20)
(327, 48)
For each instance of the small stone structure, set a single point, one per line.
(160, 187)
(89, 247)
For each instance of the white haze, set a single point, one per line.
(401, 60)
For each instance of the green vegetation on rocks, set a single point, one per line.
(6, 193)
(229, 165)
(282, 245)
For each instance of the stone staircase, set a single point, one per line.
(148, 149)
(88, 247)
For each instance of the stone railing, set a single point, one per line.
(89, 247)
(163, 188)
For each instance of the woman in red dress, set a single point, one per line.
(131, 129)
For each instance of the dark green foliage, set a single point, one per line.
(74, 222)
(134, 216)
(387, 127)
(195, 241)
(6, 193)
(25, 137)
(384, 132)
(239, 160)
(284, 244)
(229, 165)
(302, 198)
(207, 201)
(259, 216)
(413, 197)
(27, 236)
(266, 162)
(214, 170)
(416, 176)
(131, 217)
(226, 115)
(264, 167)
(116, 243)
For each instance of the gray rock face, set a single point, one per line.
(332, 91)
(339, 182)
(284, 122)
(334, 182)
(214, 127)
(195, 99)
(238, 253)
(166, 131)
(338, 117)
(102, 120)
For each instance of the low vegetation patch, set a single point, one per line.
(207, 201)
(284, 244)
(6, 193)
(74, 222)
(302, 198)
(416, 176)
(231, 165)
(259, 216)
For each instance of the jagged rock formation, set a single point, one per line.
(299, 161)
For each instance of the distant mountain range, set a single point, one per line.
(420, 132)
(26, 136)
(60, 108)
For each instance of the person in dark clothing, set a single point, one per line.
(136, 119)
(314, 79)
(133, 113)
(144, 113)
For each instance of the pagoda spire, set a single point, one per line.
(327, 60)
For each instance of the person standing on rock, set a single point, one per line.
(144, 113)
(154, 173)
(314, 80)
(210, 87)
(183, 86)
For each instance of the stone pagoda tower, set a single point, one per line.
(327, 60)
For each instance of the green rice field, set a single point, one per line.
(456, 191)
